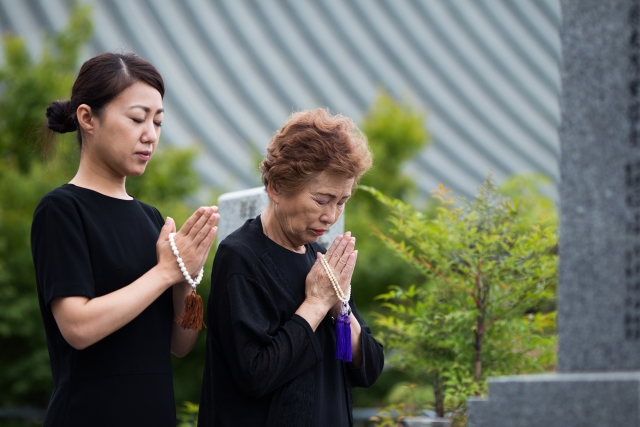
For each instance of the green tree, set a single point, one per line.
(487, 267)
(26, 89)
(396, 133)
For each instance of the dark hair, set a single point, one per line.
(311, 142)
(100, 80)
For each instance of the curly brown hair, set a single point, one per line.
(311, 142)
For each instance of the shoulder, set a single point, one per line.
(59, 214)
(151, 212)
(241, 251)
(246, 241)
(59, 198)
(61, 194)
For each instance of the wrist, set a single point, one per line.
(168, 274)
(313, 312)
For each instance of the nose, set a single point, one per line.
(150, 134)
(330, 214)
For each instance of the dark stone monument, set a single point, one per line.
(598, 379)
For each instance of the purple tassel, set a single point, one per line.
(343, 338)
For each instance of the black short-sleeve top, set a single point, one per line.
(87, 244)
(264, 364)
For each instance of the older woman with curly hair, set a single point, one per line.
(285, 342)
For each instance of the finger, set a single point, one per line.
(196, 232)
(319, 272)
(186, 227)
(173, 224)
(168, 227)
(317, 268)
(207, 225)
(342, 262)
(215, 217)
(205, 244)
(335, 257)
(347, 272)
(333, 246)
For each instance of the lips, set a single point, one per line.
(144, 155)
(319, 232)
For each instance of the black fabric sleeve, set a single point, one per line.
(60, 250)
(159, 217)
(262, 354)
(372, 356)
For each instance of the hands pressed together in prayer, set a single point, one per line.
(321, 297)
(194, 241)
(341, 257)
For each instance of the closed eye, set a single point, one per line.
(159, 124)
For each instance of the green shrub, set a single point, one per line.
(487, 268)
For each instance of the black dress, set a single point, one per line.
(265, 366)
(87, 244)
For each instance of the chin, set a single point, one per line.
(136, 172)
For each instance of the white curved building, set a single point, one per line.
(486, 70)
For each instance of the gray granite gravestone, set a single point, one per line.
(238, 206)
(598, 379)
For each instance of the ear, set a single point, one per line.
(85, 119)
(272, 192)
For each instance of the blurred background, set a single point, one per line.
(446, 91)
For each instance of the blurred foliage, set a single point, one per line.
(26, 89)
(404, 400)
(487, 267)
(187, 414)
(396, 133)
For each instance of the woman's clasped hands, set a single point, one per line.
(341, 257)
(193, 241)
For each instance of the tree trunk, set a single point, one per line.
(481, 300)
(477, 375)
(478, 359)
(439, 395)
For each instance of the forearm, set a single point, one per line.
(182, 340)
(312, 313)
(356, 343)
(261, 367)
(84, 321)
(368, 363)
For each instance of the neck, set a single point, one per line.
(273, 228)
(95, 177)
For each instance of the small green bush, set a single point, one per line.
(487, 267)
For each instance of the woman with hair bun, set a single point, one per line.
(115, 281)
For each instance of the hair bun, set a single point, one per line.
(60, 117)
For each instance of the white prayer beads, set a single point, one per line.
(183, 269)
(336, 286)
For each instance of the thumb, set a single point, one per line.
(168, 227)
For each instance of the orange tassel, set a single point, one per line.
(193, 315)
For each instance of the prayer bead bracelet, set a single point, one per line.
(336, 286)
(185, 273)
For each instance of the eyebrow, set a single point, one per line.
(333, 196)
(147, 109)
